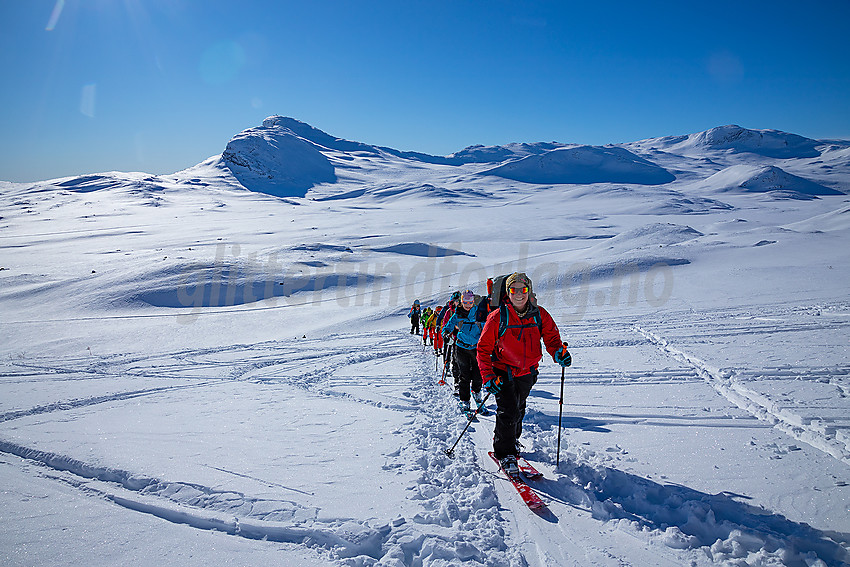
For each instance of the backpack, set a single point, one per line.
(490, 301)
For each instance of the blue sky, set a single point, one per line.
(160, 85)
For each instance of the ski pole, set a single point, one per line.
(560, 413)
(451, 451)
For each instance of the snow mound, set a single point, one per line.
(652, 200)
(276, 160)
(496, 154)
(653, 235)
(767, 143)
(834, 220)
(195, 285)
(584, 164)
(762, 179)
(422, 249)
(395, 191)
(88, 183)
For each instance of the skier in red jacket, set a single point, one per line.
(508, 354)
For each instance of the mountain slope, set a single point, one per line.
(584, 165)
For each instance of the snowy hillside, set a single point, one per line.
(215, 367)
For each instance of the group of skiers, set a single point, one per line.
(493, 343)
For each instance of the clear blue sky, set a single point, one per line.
(160, 85)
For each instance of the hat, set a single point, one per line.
(467, 296)
(518, 277)
(455, 296)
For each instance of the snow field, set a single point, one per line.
(190, 368)
(669, 415)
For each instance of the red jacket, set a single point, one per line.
(519, 348)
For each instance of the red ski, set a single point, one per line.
(527, 469)
(526, 493)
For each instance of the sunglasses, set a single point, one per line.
(513, 290)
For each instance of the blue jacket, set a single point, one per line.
(468, 329)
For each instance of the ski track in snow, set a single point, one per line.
(745, 387)
(469, 513)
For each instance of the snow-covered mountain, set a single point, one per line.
(285, 157)
(214, 366)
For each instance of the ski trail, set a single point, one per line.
(94, 400)
(728, 384)
(205, 507)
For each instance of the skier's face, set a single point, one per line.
(518, 294)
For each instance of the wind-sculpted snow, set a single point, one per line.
(422, 249)
(583, 165)
(651, 236)
(764, 179)
(833, 220)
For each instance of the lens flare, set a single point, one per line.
(54, 16)
(87, 100)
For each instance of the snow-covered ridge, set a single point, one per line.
(584, 165)
(767, 143)
(286, 157)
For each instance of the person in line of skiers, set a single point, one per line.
(466, 329)
(427, 314)
(413, 314)
(508, 356)
(436, 338)
(448, 348)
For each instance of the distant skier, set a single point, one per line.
(414, 314)
(436, 338)
(508, 355)
(467, 331)
(424, 319)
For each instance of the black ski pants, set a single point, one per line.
(510, 410)
(470, 376)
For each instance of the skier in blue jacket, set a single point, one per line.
(467, 331)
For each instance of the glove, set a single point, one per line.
(494, 384)
(563, 356)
